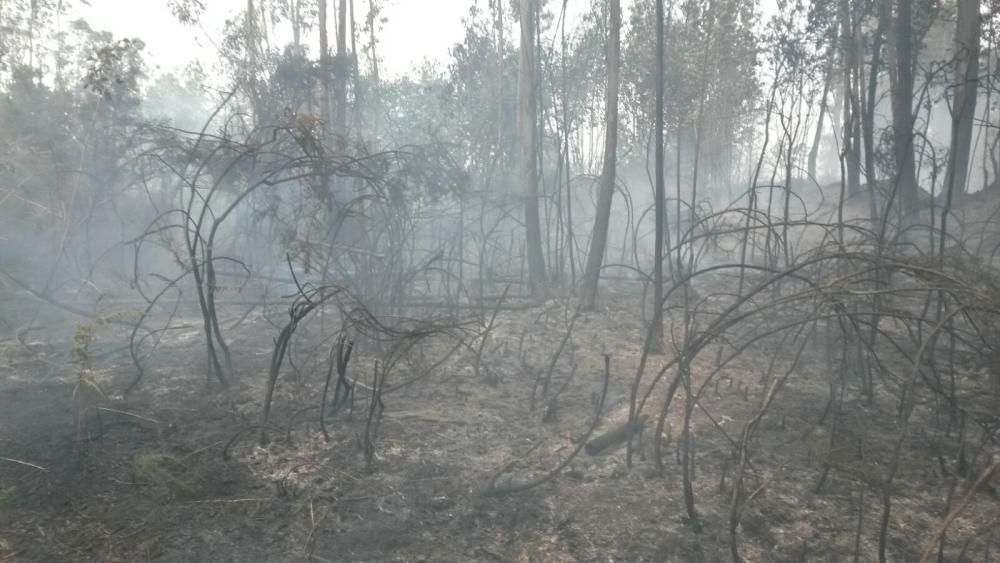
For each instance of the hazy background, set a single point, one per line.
(415, 30)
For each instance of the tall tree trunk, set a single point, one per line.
(373, 11)
(902, 119)
(852, 132)
(571, 250)
(296, 17)
(342, 71)
(325, 190)
(326, 72)
(526, 124)
(868, 116)
(545, 200)
(498, 22)
(263, 25)
(854, 158)
(966, 86)
(660, 205)
(356, 114)
(32, 23)
(818, 137)
(250, 29)
(599, 239)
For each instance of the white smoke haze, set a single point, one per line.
(470, 280)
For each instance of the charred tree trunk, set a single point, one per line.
(341, 74)
(326, 72)
(852, 131)
(818, 137)
(599, 239)
(295, 15)
(902, 119)
(868, 117)
(526, 124)
(498, 24)
(250, 28)
(373, 11)
(570, 237)
(661, 200)
(966, 90)
(356, 111)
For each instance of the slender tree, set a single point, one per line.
(599, 238)
(661, 201)
(528, 133)
(852, 130)
(250, 29)
(295, 15)
(326, 72)
(818, 136)
(868, 116)
(967, 37)
(567, 171)
(498, 8)
(902, 119)
(341, 74)
(374, 81)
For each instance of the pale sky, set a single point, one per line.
(417, 29)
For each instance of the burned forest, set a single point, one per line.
(488, 280)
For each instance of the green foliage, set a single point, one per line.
(168, 476)
(66, 135)
(178, 99)
(478, 94)
(115, 69)
(187, 11)
(711, 54)
(7, 495)
(711, 66)
(83, 336)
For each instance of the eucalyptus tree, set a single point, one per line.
(373, 19)
(968, 34)
(599, 235)
(325, 68)
(67, 148)
(341, 77)
(528, 148)
(660, 203)
(850, 21)
(711, 58)
(877, 40)
(32, 39)
(902, 108)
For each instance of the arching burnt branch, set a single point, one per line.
(133, 346)
(344, 385)
(305, 302)
(980, 482)
(401, 333)
(492, 489)
(841, 288)
(374, 420)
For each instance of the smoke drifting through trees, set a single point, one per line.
(761, 238)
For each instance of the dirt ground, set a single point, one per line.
(175, 474)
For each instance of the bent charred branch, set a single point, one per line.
(492, 489)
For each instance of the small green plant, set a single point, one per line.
(83, 336)
(6, 496)
(87, 394)
(166, 474)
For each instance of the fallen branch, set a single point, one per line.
(616, 435)
(985, 476)
(24, 463)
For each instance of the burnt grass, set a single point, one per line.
(178, 473)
